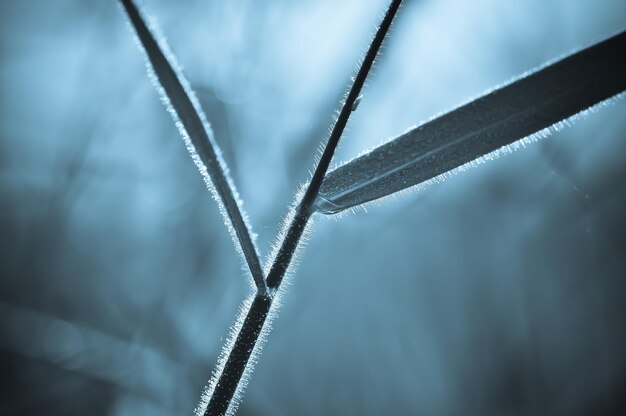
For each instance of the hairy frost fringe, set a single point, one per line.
(344, 97)
(277, 302)
(223, 357)
(342, 101)
(154, 28)
(252, 361)
(496, 154)
(282, 233)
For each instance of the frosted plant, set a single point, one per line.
(499, 122)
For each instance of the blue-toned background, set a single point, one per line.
(500, 291)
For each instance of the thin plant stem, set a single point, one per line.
(239, 355)
(305, 208)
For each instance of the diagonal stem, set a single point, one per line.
(305, 208)
(348, 107)
(189, 117)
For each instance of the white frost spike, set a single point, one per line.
(357, 102)
(182, 104)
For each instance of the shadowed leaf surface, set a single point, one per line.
(527, 106)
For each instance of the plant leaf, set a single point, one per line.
(520, 109)
(191, 122)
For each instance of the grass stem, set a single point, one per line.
(305, 208)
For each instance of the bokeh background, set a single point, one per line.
(500, 291)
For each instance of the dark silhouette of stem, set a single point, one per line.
(240, 354)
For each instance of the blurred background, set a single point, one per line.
(500, 291)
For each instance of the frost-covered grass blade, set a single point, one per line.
(191, 122)
(520, 109)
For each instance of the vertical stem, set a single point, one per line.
(239, 356)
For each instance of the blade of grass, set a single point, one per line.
(225, 388)
(529, 105)
(190, 119)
